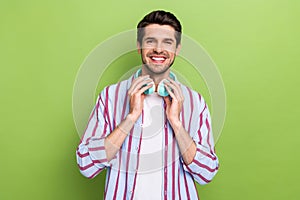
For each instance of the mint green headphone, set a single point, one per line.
(161, 89)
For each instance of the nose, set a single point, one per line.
(158, 48)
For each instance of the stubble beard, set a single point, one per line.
(150, 68)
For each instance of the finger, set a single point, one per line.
(143, 89)
(170, 87)
(138, 83)
(143, 84)
(167, 100)
(176, 89)
(138, 80)
(171, 93)
(177, 85)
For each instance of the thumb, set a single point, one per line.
(143, 97)
(167, 100)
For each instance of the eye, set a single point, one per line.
(149, 41)
(169, 42)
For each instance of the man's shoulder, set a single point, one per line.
(119, 88)
(189, 90)
(193, 97)
(115, 86)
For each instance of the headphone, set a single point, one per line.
(161, 89)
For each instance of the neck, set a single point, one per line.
(156, 77)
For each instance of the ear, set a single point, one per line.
(138, 45)
(177, 49)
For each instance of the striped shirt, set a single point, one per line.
(112, 106)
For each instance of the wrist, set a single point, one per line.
(122, 130)
(132, 118)
(176, 125)
(126, 125)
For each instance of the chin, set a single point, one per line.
(157, 69)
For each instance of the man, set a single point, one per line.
(151, 133)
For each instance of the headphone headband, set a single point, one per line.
(139, 72)
(161, 89)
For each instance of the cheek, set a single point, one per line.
(145, 51)
(172, 56)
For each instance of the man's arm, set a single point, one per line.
(197, 152)
(98, 147)
(186, 144)
(115, 139)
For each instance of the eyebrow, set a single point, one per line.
(149, 38)
(165, 39)
(169, 39)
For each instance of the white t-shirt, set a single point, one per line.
(150, 174)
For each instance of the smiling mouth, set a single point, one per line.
(158, 59)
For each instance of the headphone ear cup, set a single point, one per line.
(138, 73)
(150, 90)
(161, 89)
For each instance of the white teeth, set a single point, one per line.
(158, 58)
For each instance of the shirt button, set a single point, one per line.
(137, 148)
(141, 125)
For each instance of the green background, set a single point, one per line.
(254, 43)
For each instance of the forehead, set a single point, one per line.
(159, 31)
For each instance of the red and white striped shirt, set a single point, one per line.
(111, 108)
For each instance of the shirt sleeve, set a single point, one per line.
(90, 154)
(205, 163)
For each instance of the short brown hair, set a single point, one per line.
(162, 18)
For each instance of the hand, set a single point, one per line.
(136, 95)
(174, 106)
